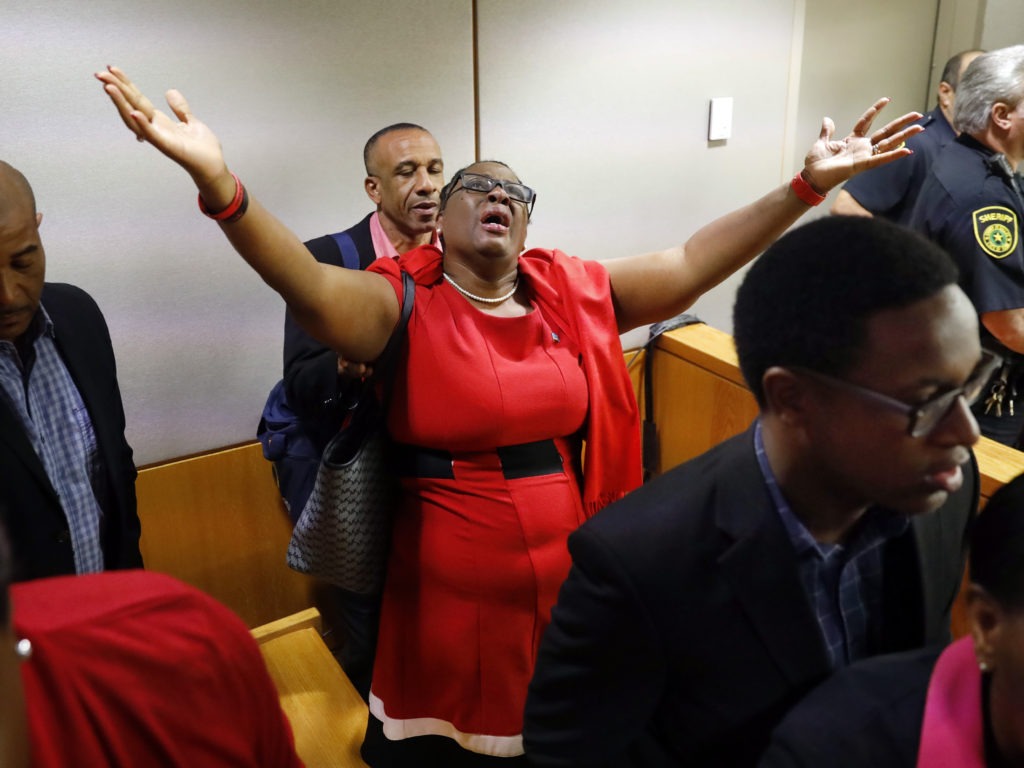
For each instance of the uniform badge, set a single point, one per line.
(995, 229)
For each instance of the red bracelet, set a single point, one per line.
(805, 191)
(236, 208)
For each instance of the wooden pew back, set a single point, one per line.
(216, 521)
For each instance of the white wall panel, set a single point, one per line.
(292, 89)
(855, 53)
(1003, 24)
(603, 107)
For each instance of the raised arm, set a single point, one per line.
(654, 286)
(351, 311)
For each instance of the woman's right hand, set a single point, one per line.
(187, 140)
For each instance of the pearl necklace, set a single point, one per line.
(481, 299)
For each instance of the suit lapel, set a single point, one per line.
(73, 336)
(923, 570)
(904, 606)
(75, 345)
(12, 434)
(761, 568)
(932, 572)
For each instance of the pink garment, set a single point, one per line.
(383, 246)
(952, 734)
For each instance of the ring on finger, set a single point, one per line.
(875, 149)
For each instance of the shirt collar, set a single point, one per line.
(382, 245)
(876, 526)
(40, 325)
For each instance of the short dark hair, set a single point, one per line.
(997, 545)
(372, 141)
(951, 72)
(806, 301)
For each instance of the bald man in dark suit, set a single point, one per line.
(67, 494)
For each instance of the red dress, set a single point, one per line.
(477, 560)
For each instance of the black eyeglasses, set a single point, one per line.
(476, 182)
(924, 417)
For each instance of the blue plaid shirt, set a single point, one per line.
(842, 581)
(41, 392)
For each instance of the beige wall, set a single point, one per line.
(1002, 24)
(600, 104)
(855, 53)
(292, 89)
(605, 111)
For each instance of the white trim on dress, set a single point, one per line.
(396, 730)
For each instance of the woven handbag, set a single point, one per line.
(344, 532)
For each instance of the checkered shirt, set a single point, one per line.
(843, 582)
(41, 392)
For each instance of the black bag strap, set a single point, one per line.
(387, 362)
(349, 254)
(649, 435)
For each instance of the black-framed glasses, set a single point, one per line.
(924, 417)
(477, 182)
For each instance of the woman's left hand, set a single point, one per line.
(831, 161)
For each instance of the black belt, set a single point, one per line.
(517, 461)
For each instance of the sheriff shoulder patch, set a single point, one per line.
(995, 229)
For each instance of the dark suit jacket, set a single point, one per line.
(29, 506)
(683, 634)
(310, 368)
(868, 715)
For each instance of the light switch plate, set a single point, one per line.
(720, 119)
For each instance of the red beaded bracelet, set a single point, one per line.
(236, 208)
(805, 191)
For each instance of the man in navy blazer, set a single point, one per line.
(404, 176)
(701, 607)
(67, 479)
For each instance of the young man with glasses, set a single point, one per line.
(700, 608)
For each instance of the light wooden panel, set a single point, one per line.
(999, 464)
(309, 618)
(699, 395)
(327, 715)
(216, 521)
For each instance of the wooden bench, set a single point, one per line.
(327, 715)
